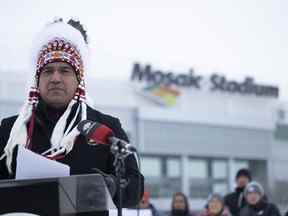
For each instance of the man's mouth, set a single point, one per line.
(55, 89)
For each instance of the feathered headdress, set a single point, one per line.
(58, 41)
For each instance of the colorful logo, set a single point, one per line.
(162, 94)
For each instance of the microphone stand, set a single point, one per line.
(120, 153)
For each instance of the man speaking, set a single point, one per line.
(56, 103)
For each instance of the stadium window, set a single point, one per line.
(162, 174)
(173, 167)
(219, 176)
(198, 169)
(199, 186)
(151, 166)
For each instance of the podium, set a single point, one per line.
(72, 195)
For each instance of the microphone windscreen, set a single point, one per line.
(95, 131)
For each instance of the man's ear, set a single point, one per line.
(78, 77)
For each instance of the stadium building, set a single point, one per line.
(193, 132)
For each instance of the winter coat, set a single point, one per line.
(261, 209)
(235, 201)
(83, 158)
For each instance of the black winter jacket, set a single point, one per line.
(235, 201)
(261, 209)
(83, 158)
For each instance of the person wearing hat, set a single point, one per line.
(215, 206)
(256, 204)
(235, 200)
(56, 103)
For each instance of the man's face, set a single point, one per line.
(242, 181)
(57, 84)
(253, 198)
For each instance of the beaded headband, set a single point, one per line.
(60, 50)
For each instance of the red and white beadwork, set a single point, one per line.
(60, 50)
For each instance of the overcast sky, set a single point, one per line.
(234, 37)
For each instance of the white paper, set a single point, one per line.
(31, 165)
(131, 212)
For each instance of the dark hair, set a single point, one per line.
(77, 25)
(244, 172)
(187, 209)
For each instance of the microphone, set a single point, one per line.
(101, 134)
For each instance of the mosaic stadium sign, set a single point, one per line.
(217, 82)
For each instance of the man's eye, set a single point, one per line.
(47, 71)
(66, 71)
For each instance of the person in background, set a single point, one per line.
(215, 206)
(180, 205)
(145, 204)
(256, 202)
(235, 200)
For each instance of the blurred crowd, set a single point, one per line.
(248, 199)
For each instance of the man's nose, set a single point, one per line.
(56, 76)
